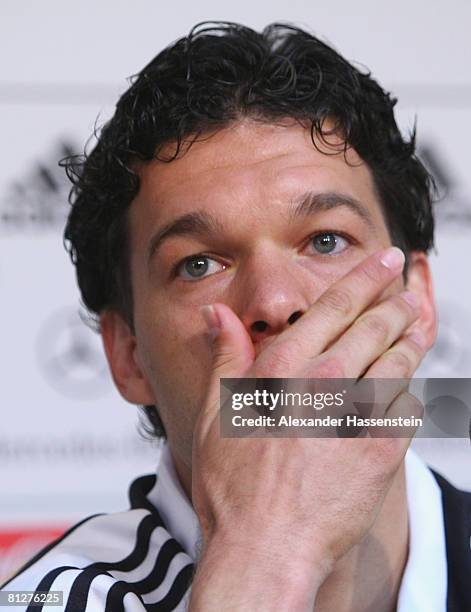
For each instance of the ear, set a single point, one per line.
(419, 280)
(120, 348)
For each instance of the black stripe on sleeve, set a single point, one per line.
(46, 583)
(78, 594)
(46, 549)
(81, 585)
(176, 593)
(77, 597)
(153, 580)
(168, 551)
(180, 585)
(116, 595)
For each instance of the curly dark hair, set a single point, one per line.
(218, 74)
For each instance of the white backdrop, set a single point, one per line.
(68, 443)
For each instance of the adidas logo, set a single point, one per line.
(38, 201)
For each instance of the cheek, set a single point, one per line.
(177, 357)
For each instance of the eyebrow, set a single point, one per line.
(201, 223)
(310, 203)
(197, 223)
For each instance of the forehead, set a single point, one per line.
(247, 164)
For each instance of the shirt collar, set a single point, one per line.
(174, 506)
(424, 583)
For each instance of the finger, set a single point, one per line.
(373, 333)
(402, 419)
(402, 359)
(232, 353)
(392, 373)
(336, 308)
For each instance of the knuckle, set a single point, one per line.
(402, 306)
(279, 361)
(371, 273)
(376, 326)
(414, 347)
(337, 301)
(222, 359)
(399, 362)
(329, 367)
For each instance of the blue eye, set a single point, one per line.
(329, 243)
(198, 266)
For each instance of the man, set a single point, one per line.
(252, 210)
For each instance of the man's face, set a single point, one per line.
(250, 249)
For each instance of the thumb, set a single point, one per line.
(233, 352)
(233, 355)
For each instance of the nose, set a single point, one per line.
(274, 293)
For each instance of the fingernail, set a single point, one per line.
(212, 320)
(418, 338)
(411, 298)
(393, 258)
